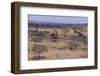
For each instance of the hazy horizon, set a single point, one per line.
(57, 19)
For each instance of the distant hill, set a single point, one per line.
(54, 25)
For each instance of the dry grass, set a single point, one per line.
(57, 50)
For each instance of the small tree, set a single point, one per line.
(72, 45)
(37, 39)
(54, 37)
(39, 49)
(38, 36)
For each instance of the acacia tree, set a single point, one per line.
(72, 45)
(39, 49)
(54, 37)
(38, 36)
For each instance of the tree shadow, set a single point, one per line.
(38, 58)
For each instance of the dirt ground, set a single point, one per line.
(57, 50)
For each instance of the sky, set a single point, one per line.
(57, 19)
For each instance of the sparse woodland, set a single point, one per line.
(46, 42)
